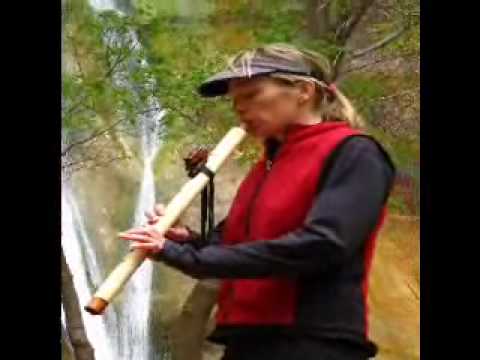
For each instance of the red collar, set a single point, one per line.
(296, 132)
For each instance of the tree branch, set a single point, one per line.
(89, 163)
(184, 114)
(107, 55)
(91, 137)
(82, 348)
(350, 70)
(74, 107)
(321, 6)
(67, 340)
(318, 17)
(401, 93)
(76, 55)
(119, 60)
(360, 67)
(94, 159)
(98, 133)
(380, 44)
(346, 31)
(372, 63)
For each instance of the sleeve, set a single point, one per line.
(353, 195)
(214, 238)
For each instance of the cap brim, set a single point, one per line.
(217, 85)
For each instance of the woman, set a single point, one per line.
(295, 250)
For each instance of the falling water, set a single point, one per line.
(81, 260)
(102, 5)
(136, 307)
(123, 332)
(125, 337)
(64, 327)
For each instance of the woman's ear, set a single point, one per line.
(306, 91)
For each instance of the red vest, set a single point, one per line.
(268, 204)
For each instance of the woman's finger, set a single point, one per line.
(135, 237)
(177, 233)
(153, 220)
(159, 209)
(150, 215)
(144, 246)
(139, 230)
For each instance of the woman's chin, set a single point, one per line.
(253, 131)
(260, 133)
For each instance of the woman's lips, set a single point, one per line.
(252, 129)
(249, 126)
(252, 126)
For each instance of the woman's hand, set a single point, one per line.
(175, 233)
(145, 238)
(151, 240)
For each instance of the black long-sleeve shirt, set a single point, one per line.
(357, 181)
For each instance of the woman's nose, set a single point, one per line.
(242, 111)
(239, 107)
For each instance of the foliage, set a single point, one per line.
(402, 13)
(364, 89)
(405, 154)
(105, 81)
(183, 47)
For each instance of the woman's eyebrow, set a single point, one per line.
(249, 93)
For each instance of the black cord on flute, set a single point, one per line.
(207, 206)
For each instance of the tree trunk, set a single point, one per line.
(73, 317)
(357, 11)
(318, 18)
(67, 348)
(345, 31)
(190, 329)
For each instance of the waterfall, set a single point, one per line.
(136, 304)
(86, 273)
(122, 333)
(102, 5)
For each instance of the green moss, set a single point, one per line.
(398, 205)
(364, 86)
(405, 153)
(362, 89)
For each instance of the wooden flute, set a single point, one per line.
(117, 279)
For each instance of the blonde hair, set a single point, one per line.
(332, 104)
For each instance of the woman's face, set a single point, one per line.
(266, 106)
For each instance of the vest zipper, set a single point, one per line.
(268, 167)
